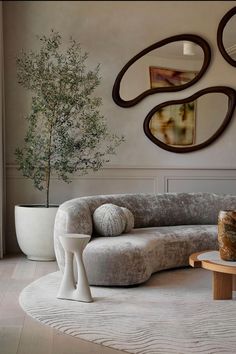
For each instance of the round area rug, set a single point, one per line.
(171, 313)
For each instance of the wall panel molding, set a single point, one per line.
(111, 180)
(213, 184)
(161, 179)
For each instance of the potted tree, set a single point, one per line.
(66, 133)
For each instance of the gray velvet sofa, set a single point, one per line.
(168, 228)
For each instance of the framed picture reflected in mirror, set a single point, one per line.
(166, 77)
(174, 125)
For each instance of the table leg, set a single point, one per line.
(234, 282)
(74, 245)
(222, 286)
(82, 292)
(67, 286)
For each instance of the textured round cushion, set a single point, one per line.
(109, 220)
(129, 219)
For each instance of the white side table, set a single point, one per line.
(73, 245)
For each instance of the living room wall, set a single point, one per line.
(112, 32)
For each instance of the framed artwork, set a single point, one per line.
(174, 124)
(165, 77)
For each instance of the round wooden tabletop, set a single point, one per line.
(211, 260)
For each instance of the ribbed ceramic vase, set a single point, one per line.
(227, 234)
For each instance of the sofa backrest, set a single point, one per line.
(168, 209)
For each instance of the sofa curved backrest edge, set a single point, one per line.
(150, 210)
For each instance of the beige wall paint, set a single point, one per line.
(112, 32)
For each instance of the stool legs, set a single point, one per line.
(82, 291)
(67, 284)
(73, 247)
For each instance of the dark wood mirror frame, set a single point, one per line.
(225, 19)
(228, 91)
(182, 37)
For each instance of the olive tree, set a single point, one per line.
(66, 133)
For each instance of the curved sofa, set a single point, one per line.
(168, 228)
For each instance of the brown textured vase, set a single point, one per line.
(227, 234)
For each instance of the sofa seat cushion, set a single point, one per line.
(132, 258)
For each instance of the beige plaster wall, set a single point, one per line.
(112, 32)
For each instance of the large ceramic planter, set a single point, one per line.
(227, 234)
(34, 230)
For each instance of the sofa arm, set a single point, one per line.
(73, 216)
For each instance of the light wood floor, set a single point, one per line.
(20, 334)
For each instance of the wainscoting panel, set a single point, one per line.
(112, 180)
(201, 184)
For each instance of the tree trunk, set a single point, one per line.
(47, 199)
(47, 185)
(48, 169)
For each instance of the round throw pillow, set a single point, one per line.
(109, 220)
(129, 219)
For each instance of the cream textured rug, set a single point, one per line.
(172, 313)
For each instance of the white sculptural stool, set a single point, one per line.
(74, 245)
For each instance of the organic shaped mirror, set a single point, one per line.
(226, 36)
(169, 65)
(192, 123)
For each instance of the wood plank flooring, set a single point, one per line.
(19, 333)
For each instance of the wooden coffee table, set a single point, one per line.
(224, 273)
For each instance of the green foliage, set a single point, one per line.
(66, 131)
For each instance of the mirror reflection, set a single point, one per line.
(229, 37)
(189, 124)
(173, 64)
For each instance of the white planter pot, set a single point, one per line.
(34, 230)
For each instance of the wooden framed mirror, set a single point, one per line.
(226, 36)
(182, 60)
(184, 125)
